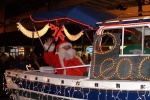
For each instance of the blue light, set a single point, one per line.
(89, 49)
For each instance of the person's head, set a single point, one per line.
(65, 50)
(3, 58)
(67, 47)
(64, 44)
(136, 38)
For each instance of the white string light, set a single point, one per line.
(117, 97)
(88, 94)
(144, 95)
(112, 95)
(99, 93)
(139, 98)
(32, 34)
(127, 95)
(106, 95)
(72, 37)
(45, 89)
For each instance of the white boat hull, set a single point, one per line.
(47, 86)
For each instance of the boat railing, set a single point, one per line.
(49, 69)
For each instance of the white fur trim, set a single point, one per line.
(52, 47)
(62, 63)
(65, 44)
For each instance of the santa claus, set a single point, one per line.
(64, 57)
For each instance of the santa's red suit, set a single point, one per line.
(62, 59)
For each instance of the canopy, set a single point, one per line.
(83, 15)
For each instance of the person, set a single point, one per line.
(4, 65)
(84, 59)
(136, 47)
(89, 58)
(65, 56)
(20, 63)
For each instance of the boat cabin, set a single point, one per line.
(110, 61)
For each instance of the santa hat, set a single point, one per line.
(62, 44)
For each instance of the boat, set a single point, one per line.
(112, 75)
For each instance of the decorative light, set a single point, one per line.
(130, 71)
(57, 32)
(103, 52)
(99, 93)
(111, 67)
(32, 34)
(97, 45)
(117, 69)
(72, 37)
(139, 69)
(117, 97)
(39, 88)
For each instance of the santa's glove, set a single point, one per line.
(49, 49)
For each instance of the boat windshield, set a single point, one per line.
(134, 41)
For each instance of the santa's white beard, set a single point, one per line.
(67, 54)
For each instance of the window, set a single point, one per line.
(107, 41)
(135, 41)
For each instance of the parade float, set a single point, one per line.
(112, 75)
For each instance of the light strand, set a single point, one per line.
(32, 34)
(72, 37)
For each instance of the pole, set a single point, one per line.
(139, 7)
(42, 44)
